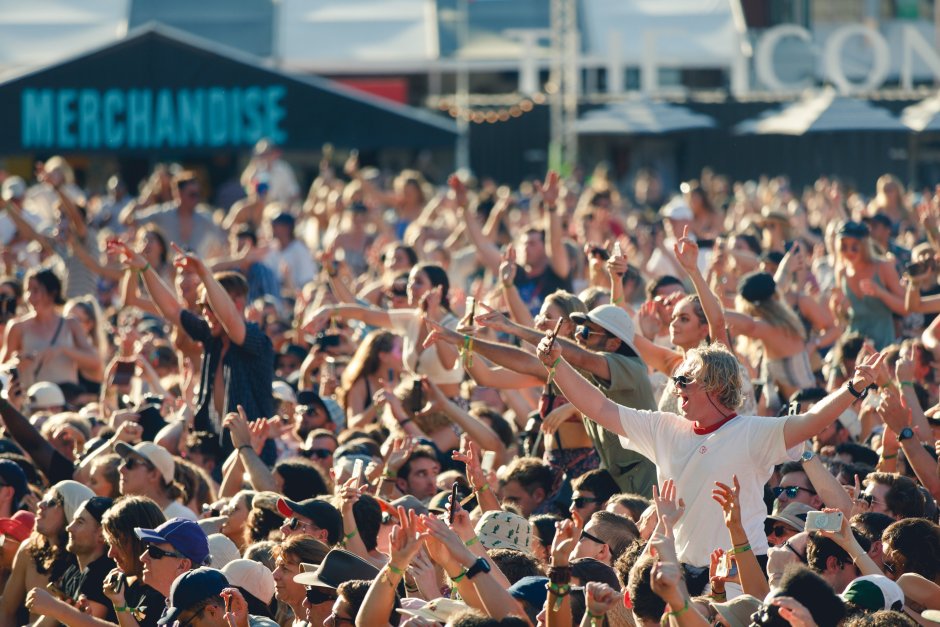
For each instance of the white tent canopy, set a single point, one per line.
(641, 116)
(923, 117)
(823, 112)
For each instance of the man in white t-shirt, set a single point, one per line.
(709, 442)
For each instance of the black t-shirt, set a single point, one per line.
(89, 582)
(151, 602)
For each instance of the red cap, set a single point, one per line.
(19, 526)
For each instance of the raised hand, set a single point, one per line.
(399, 454)
(904, 366)
(260, 431)
(470, 455)
(729, 500)
(129, 257)
(188, 261)
(601, 598)
(406, 540)
(447, 539)
(549, 189)
(893, 411)
(686, 251)
(439, 333)
(651, 325)
(459, 190)
(237, 425)
(508, 267)
(794, 612)
(548, 350)
(868, 372)
(567, 535)
(492, 319)
(669, 509)
(236, 607)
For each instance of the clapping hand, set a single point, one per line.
(470, 455)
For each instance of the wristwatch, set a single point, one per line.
(807, 455)
(906, 434)
(479, 566)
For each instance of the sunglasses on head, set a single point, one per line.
(315, 596)
(791, 491)
(157, 553)
(682, 381)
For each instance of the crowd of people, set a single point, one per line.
(392, 401)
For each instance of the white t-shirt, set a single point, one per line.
(178, 510)
(747, 446)
(297, 260)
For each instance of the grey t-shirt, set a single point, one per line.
(206, 238)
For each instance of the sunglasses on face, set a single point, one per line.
(318, 453)
(591, 537)
(315, 596)
(682, 381)
(791, 491)
(889, 566)
(870, 499)
(293, 522)
(584, 332)
(583, 501)
(157, 553)
(778, 531)
(132, 462)
(50, 502)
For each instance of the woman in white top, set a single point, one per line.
(428, 287)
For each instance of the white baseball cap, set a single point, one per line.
(222, 551)
(283, 392)
(612, 319)
(13, 187)
(153, 453)
(45, 394)
(252, 576)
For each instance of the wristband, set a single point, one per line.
(887, 457)
(678, 613)
(392, 568)
(387, 474)
(551, 371)
(459, 577)
(142, 270)
(903, 383)
(483, 488)
(858, 395)
(744, 548)
(402, 423)
(246, 446)
(595, 618)
(352, 534)
(617, 301)
(471, 541)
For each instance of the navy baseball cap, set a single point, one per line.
(185, 536)
(190, 589)
(12, 475)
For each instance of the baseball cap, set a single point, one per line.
(337, 567)
(874, 592)
(45, 394)
(530, 589)
(612, 319)
(677, 209)
(153, 453)
(252, 576)
(185, 536)
(283, 392)
(73, 494)
(12, 475)
(878, 218)
(503, 530)
(221, 550)
(190, 589)
(18, 526)
(323, 515)
(284, 218)
(97, 506)
(794, 515)
(13, 187)
(757, 287)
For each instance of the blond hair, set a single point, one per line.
(775, 313)
(717, 372)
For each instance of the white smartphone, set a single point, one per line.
(357, 470)
(618, 251)
(489, 459)
(727, 566)
(823, 521)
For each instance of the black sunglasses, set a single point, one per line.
(157, 553)
(591, 537)
(584, 332)
(315, 596)
(132, 462)
(582, 501)
(778, 531)
(319, 453)
(681, 381)
(791, 491)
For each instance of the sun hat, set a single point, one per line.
(794, 515)
(503, 530)
(612, 319)
(438, 610)
(337, 567)
(738, 610)
(221, 550)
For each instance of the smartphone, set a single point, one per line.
(488, 461)
(453, 502)
(917, 268)
(124, 373)
(555, 332)
(727, 566)
(415, 400)
(471, 308)
(116, 582)
(357, 470)
(327, 341)
(823, 521)
(330, 368)
(618, 251)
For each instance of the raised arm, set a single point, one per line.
(487, 252)
(518, 310)
(554, 247)
(130, 295)
(481, 433)
(589, 400)
(223, 307)
(246, 440)
(372, 316)
(89, 261)
(686, 252)
(26, 228)
(502, 354)
(897, 416)
(163, 297)
(804, 426)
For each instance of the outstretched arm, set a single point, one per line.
(163, 297)
(223, 307)
(502, 354)
(686, 252)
